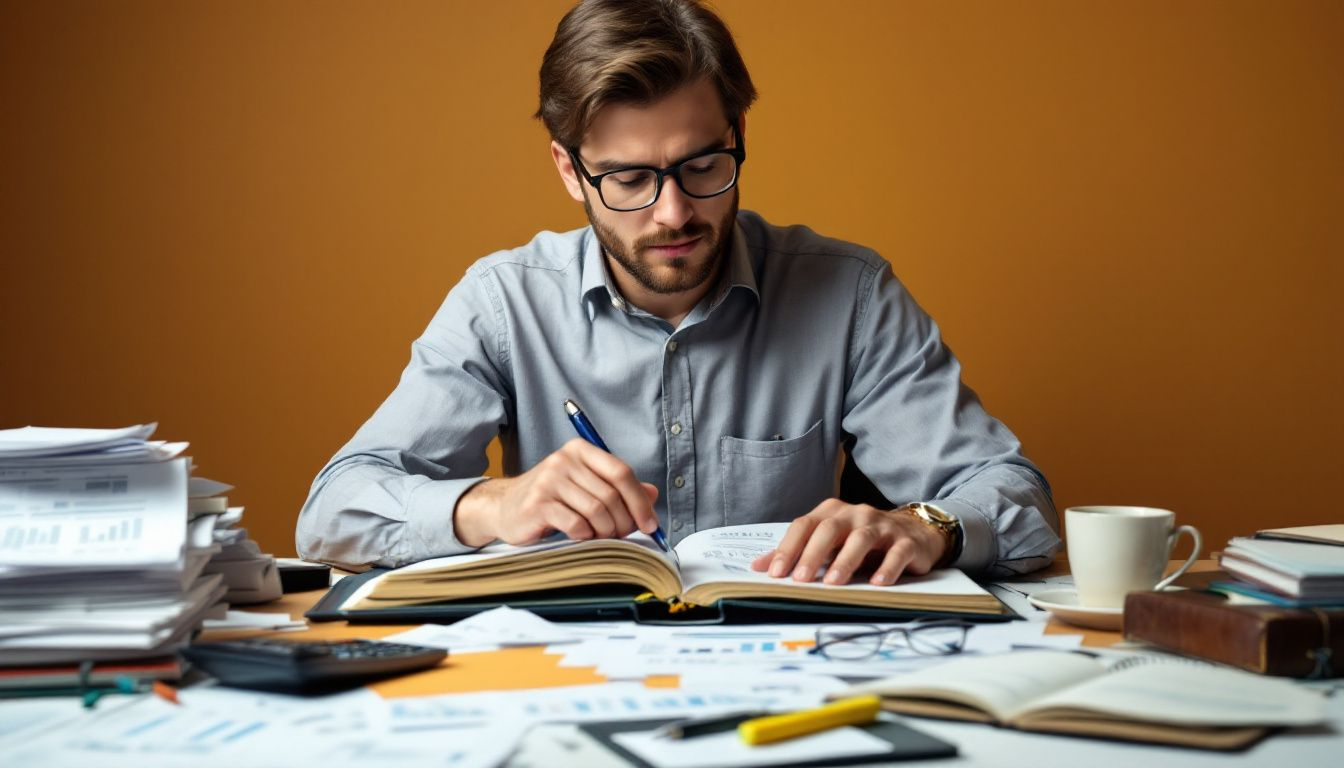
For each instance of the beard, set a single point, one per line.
(662, 275)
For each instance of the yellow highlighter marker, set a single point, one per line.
(853, 711)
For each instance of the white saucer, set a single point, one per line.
(1063, 603)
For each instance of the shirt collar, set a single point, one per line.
(740, 272)
(595, 277)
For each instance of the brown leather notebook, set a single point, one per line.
(1267, 639)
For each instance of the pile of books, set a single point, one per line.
(1281, 612)
(106, 547)
(1298, 567)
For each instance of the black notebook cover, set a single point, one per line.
(906, 743)
(618, 604)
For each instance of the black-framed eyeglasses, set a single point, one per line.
(702, 175)
(854, 642)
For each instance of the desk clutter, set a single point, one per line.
(1280, 611)
(112, 557)
(746, 672)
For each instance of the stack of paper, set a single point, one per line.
(98, 558)
(250, 575)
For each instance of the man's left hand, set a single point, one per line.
(847, 536)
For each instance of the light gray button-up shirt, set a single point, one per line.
(737, 415)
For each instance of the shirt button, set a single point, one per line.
(676, 525)
(671, 346)
(676, 428)
(679, 481)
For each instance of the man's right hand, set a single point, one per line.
(580, 490)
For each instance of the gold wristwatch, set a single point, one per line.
(947, 525)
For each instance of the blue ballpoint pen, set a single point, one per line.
(585, 429)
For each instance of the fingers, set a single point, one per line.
(763, 562)
(856, 547)
(593, 510)
(826, 537)
(599, 502)
(894, 563)
(791, 546)
(634, 495)
(567, 521)
(842, 538)
(584, 492)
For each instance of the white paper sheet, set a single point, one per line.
(1014, 593)
(27, 442)
(490, 630)
(612, 701)
(633, 652)
(256, 620)
(226, 727)
(134, 515)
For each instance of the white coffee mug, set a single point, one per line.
(1117, 550)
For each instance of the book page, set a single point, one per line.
(500, 549)
(1189, 695)
(1322, 534)
(500, 568)
(725, 554)
(999, 685)
(1294, 558)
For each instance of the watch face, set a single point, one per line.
(936, 515)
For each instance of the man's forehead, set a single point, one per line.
(684, 122)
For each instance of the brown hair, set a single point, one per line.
(635, 52)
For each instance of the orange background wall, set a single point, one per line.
(1128, 218)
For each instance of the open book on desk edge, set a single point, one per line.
(1061, 692)
(631, 578)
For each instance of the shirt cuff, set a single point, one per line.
(429, 520)
(977, 536)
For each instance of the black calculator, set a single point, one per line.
(271, 664)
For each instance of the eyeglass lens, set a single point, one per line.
(848, 642)
(934, 640)
(703, 176)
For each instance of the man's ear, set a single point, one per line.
(568, 173)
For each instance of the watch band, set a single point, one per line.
(945, 524)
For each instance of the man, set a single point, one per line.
(725, 360)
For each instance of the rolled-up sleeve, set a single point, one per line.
(922, 435)
(387, 497)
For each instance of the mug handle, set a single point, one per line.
(1189, 561)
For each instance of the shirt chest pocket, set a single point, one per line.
(774, 481)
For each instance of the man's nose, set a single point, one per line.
(673, 207)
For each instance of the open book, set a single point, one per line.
(715, 564)
(1165, 702)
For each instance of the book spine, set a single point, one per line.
(1262, 639)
